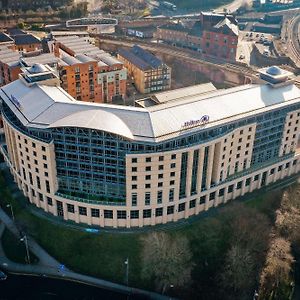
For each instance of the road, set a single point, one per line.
(233, 6)
(293, 35)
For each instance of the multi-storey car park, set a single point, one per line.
(175, 155)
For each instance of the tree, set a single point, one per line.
(277, 271)
(238, 270)
(166, 260)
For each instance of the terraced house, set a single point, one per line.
(172, 156)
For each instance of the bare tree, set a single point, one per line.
(238, 272)
(166, 260)
(277, 270)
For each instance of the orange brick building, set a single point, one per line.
(88, 73)
(221, 40)
(9, 65)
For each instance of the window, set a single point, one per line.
(95, 212)
(193, 203)
(160, 167)
(272, 171)
(239, 185)
(70, 208)
(134, 187)
(160, 176)
(221, 192)
(134, 178)
(47, 186)
(46, 174)
(108, 214)
(294, 162)
(134, 160)
(38, 182)
(202, 199)
(134, 199)
(30, 178)
(173, 156)
(173, 165)
(279, 168)
(147, 198)
(161, 158)
(45, 166)
(172, 174)
(148, 177)
(49, 201)
(36, 162)
(239, 148)
(44, 157)
(36, 170)
(287, 165)
(256, 177)
(134, 169)
(134, 214)
(159, 212)
(121, 214)
(230, 188)
(181, 207)
(148, 168)
(159, 197)
(147, 213)
(212, 196)
(41, 197)
(241, 132)
(170, 210)
(248, 181)
(240, 140)
(147, 186)
(148, 159)
(34, 153)
(248, 137)
(43, 148)
(171, 195)
(172, 182)
(82, 211)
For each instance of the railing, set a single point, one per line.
(90, 201)
(256, 168)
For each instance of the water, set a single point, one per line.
(19, 287)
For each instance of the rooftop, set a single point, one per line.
(9, 56)
(4, 38)
(42, 106)
(141, 58)
(45, 58)
(82, 48)
(25, 39)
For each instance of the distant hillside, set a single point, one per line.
(200, 4)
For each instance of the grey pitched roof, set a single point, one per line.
(25, 39)
(4, 38)
(141, 58)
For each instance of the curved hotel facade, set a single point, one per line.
(175, 155)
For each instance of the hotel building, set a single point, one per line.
(177, 154)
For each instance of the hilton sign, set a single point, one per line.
(202, 121)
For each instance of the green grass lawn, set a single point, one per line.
(15, 249)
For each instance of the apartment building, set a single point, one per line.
(221, 40)
(88, 73)
(213, 35)
(171, 158)
(149, 73)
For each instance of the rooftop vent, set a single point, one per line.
(275, 76)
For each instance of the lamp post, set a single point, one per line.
(25, 240)
(11, 210)
(127, 270)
